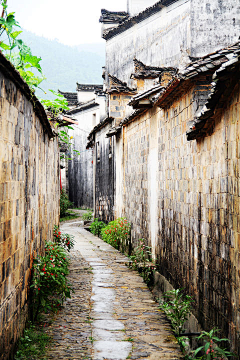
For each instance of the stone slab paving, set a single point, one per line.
(112, 315)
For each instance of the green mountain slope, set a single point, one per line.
(64, 65)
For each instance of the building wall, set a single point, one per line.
(80, 168)
(189, 210)
(29, 203)
(119, 108)
(167, 38)
(215, 24)
(104, 161)
(156, 41)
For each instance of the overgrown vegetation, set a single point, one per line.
(49, 288)
(49, 282)
(96, 227)
(141, 260)
(88, 215)
(66, 241)
(117, 233)
(177, 307)
(65, 204)
(32, 344)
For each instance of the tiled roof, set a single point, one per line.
(149, 94)
(224, 81)
(116, 85)
(103, 123)
(131, 21)
(109, 17)
(83, 106)
(113, 131)
(209, 62)
(71, 97)
(143, 71)
(89, 87)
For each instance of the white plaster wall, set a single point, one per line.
(84, 96)
(167, 38)
(156, 41)
(215, 24)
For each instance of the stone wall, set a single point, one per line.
(29, 197)
(104, 163)
(183, 197)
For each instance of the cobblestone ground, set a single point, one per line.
(111, 315)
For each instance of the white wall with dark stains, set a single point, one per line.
(167, 38)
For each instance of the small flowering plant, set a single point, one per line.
(117, 232)
(212, 347)
(64, 240)
(49, 281)
(141, 260)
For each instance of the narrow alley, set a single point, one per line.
(111, 314)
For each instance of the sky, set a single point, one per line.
(71, 22)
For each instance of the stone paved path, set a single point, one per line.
(111, 314)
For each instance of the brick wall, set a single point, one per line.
(29, 197)
(104, 161)
(80, 172)
(135, 199)
(196, 220)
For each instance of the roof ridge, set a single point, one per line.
(108, 33)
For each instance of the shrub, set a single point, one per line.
(49, 284)
(96, 227)
(64, 203)
(32, 344)
(177, 307)
(141, 260)
(116, 233)
(64, 240)
(88, 216)
(212, 348)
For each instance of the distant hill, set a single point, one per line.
(65, 65)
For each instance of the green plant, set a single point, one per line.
(32, 344)
(211, 349)
(30, 69)
(22, 59)
(177, 307)
(49, 283)
(96, 227)
(87, 216)
(64, 203)
(64, 240)
(116, 233)
(141, 260)
(92, 339)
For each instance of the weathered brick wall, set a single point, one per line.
(135, 197)
(29, 198)
(104, 175)
(80, 172)
(119, 108)
(197, 211)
